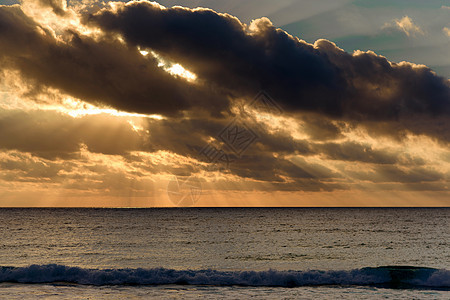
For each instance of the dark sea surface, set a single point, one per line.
(325, 253)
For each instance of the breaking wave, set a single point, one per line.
(390, 276)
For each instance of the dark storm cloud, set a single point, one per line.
(241, 59)
(230, 59)
(219, 49)
(96, 70)
(379, 89)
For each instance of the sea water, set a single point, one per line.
(325, 253)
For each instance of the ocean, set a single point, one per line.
(237, 253)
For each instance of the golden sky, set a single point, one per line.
(137, 104)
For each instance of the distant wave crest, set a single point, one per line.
(391, 276)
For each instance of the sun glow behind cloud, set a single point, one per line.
(77, 108)
(59, 25)
(174, 69)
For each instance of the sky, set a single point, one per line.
(224, 103)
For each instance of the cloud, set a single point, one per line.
(230, 59)
(396, 174)
(53, 135)
(275, 161)
(59, 6)
(87, 175)
(346, 123)
(241, 59)
(99, 70)
(351, 151)
(446, 31)
(406, 25)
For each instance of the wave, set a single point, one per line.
(390, 276)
